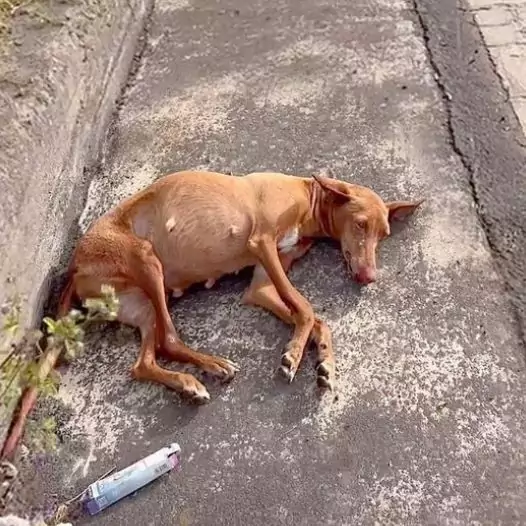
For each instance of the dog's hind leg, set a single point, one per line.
(132, 268)
(136, 310)
(149, 277)
(175, 349)
(146, 368)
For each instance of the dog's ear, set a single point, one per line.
(331, 186)
(399, 210)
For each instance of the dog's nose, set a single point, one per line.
(365, 276)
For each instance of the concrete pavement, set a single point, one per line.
(429, 423)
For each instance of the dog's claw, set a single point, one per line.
(234, 365)
(287, 373)
(325, 378)
(323, 370)
(200, 400)
(324, 383)
(234, 369)
(286, 361)
(287, 368)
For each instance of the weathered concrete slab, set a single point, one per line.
(429, 424)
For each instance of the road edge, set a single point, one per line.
(485, 133)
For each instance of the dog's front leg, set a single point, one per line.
(301, 312)
(263, 293)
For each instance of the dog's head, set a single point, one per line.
(360, 219)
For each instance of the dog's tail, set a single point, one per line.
(66, 298)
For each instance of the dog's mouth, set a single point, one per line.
(364, 275)
(348, 264)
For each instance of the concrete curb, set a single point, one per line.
(58, 89)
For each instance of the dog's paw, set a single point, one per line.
(194, 391)
(222, 368)
(326, 375)
(290, 361)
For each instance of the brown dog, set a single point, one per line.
(194, 227)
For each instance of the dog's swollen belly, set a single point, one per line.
(203, 248)
(214, 257)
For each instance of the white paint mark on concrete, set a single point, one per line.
(450, 236)
(13, 520)
(86, 387)
(450, 233)
(479, 433)
(135, 179)
(400, 369)
(401, 495)
(392, 5)
(89, 407)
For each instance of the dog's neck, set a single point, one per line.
(319, 220)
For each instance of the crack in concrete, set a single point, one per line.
(446, 97)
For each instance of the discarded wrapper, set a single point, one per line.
(109, 490)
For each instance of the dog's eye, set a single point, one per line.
(361, 222)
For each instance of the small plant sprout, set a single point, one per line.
(28, 366)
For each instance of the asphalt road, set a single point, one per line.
(429, 425)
